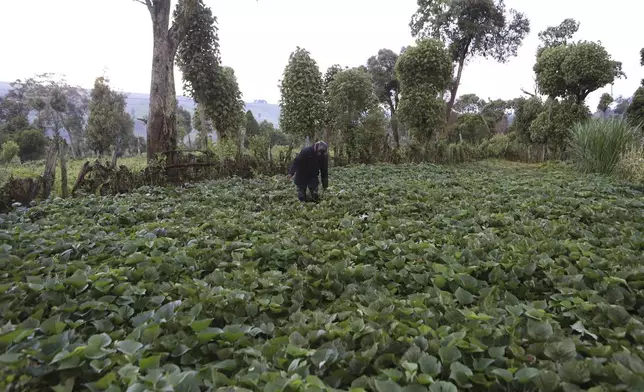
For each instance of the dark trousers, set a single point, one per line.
(313, 186)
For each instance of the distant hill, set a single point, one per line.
(138, 104)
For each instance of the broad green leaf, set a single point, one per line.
(128, 347)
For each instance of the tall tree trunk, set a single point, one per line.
(114, 158)
(161, 129)
(63, 169)
(454, 89)
(394, 123)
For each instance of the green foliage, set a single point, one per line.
(553, 125)
(32, 143)
(226, 111)
(108, 125)
(184, 122)
(302, 111)
(468, 103)
(9, 151)
(382, 68)
(481, 278)
(575, 70)
(559, 35)
(526, 110)
(424, 72)
(604, 102)
(635, 111)
(470, 127)
(252, 126)
(426, 65)
(598, 144)
(472, 28)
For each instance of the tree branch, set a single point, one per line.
(147, 3)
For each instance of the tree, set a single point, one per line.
(468, 103)
(470, 28)
(32, 143)
(226, 110)
(184, 123)
(382, 68)
(14, 111)
(424, 72)
(559, 35)
(351, 98)
(604, 103)
(252, 126)
(575, 70)
(302, 99)
(109, 126)
(161, 127)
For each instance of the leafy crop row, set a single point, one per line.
(405, 278)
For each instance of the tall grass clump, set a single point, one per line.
(598, 144)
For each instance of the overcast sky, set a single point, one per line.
(83, 38)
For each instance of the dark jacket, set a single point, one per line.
(307, 166)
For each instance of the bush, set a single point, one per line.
(9, 151)
(631, 165)
(33, 145)
(598, 144)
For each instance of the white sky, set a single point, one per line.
(82, 38)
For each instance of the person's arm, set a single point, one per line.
(294, 165)
(324, 171)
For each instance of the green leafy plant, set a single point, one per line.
(486, 277)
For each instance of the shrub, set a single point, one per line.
(9, 151)
(33, 145)
(631, 165)
(598, 144)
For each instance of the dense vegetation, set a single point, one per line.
(480, 277)
(500, 278)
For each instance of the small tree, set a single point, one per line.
(424, 72)
(302, 99)
(351, 98)
(184, 124)
(109, 126)
(382, 68)
(10, 150)
(604, 103)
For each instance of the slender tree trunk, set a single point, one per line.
(454, 89)
(161, 127)
(63, 169)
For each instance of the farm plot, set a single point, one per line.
(405, 278)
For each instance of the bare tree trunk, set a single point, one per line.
(205, 126)
(63, 169)
(161, 127)
(49, 176)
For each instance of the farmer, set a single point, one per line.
(307, 165)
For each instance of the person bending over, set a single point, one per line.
(307, 165)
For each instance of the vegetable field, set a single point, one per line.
(404, 278)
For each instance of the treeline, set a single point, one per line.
(407, 100)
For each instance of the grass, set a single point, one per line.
(481, 277)
(598, 144)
